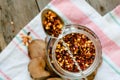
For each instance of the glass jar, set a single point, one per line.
(75, 54)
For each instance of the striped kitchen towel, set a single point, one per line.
(14, 58)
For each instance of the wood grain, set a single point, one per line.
(2, 41)
(15, 14)
(42, 3)
(103, 6)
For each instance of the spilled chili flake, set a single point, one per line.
(26, 39)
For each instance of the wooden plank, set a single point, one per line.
(103, 6)
(2, 41)
(42, 3)
(15, 14)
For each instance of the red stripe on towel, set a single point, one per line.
(5, 76)
(33, 32)
(74, 14)
(23, 51)
(117, 11)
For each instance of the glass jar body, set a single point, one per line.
(51, 46)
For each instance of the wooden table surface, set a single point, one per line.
(15, 14)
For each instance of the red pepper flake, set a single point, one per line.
(52, 23)
(82, 48)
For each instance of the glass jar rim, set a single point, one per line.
(93, 37)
